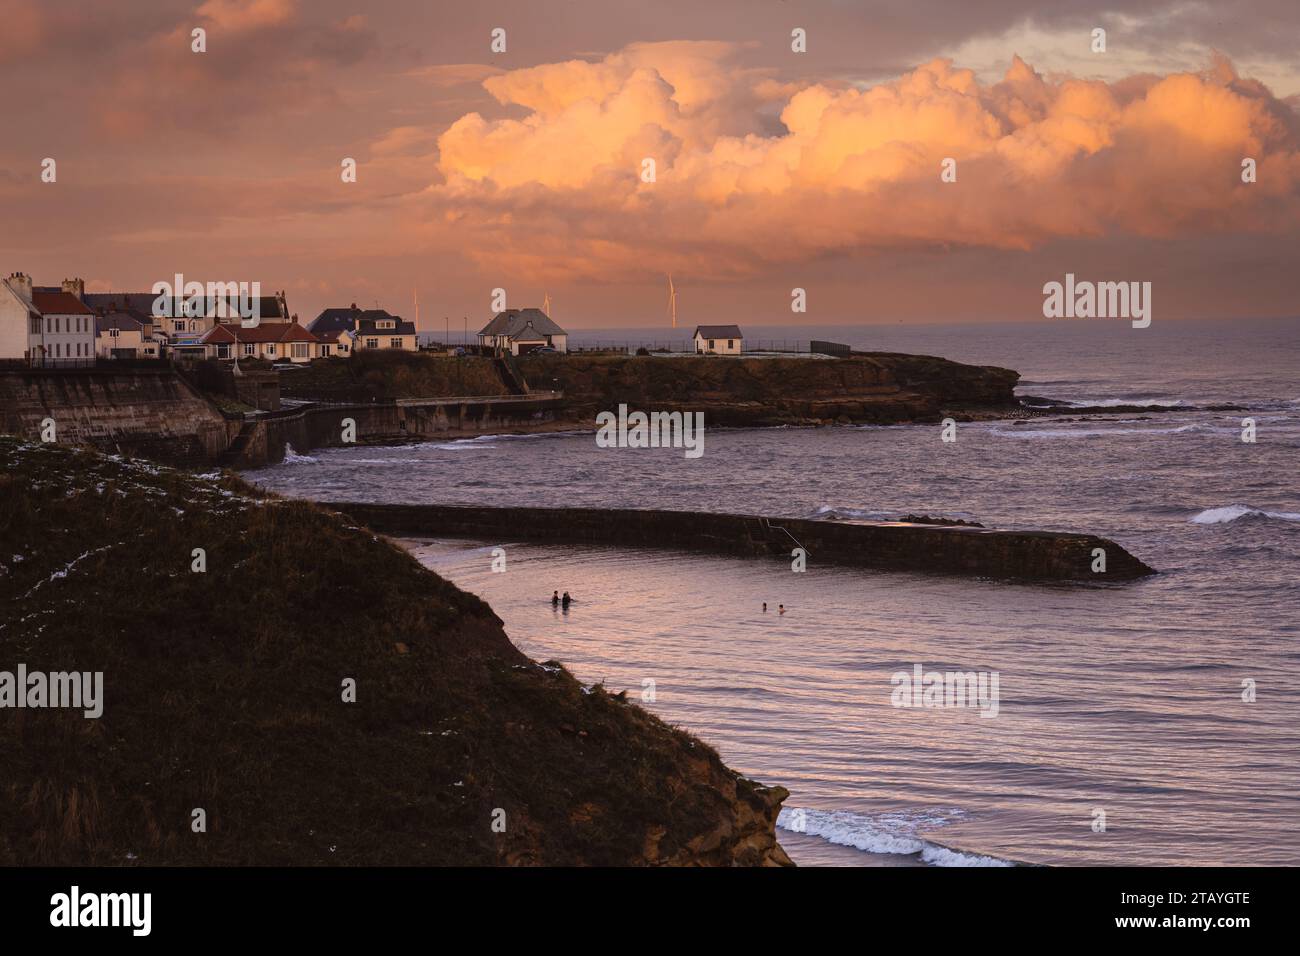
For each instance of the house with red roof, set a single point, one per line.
(272, 341)
(45, 326)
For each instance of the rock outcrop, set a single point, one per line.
(878, 388)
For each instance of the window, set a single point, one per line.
(731, 343)
(112, 333)
(395, 343)
(36, 325)
(178, 326)
(711, 343)
(299, 349)
(372, 343)
(385, 324)
(270, 348)
(223, 350)
(324, 350)
(249, 348)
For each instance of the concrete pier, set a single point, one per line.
(885, 545)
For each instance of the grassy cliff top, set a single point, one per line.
(223, 691)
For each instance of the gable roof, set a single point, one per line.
(334, 320)
(718, 332)
(264, 332)
(512, 322)
(126, 321)
(268, 306)
(368, 324)
(343, 320)
(58, 303)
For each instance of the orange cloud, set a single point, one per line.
(752, 173)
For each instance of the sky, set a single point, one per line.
(525, 169)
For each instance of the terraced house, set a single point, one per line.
(45, 325)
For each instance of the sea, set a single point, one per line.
(1153, 722)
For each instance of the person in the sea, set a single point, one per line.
(566, 600)
(764, 607)
(555, 598)
(781, 608)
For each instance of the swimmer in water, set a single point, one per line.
(566, 601)
(781, 608)
(555, 598)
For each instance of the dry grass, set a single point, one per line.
(222, 691)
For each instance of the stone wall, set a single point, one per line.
(143, 412)
(322, 426)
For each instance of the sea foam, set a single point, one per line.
(1233, 512)
(891, 833)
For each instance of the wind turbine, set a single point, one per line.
(672, 300)
(546, 304)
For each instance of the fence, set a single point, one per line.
(687, 347)
(55, 364)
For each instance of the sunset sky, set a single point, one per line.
(775, 169)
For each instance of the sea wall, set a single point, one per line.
(894, 546)
(325, 426)
(144, 412)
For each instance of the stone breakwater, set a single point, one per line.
(889, 546)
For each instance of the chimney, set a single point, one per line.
(22, 284)
(76, 286)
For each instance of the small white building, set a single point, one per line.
(124, 334)
(718, 340)
(522, 331)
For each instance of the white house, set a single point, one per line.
(58, 326)
(340, 331)
(17, 317)
(272, 341)
(718, 339)
(124, 334)
(523, 331)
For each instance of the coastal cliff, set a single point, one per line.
(229, 627)
(868, 387)
(877, 388)
(402, 396)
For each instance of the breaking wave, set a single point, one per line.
(291, 457)
(1233, 512)
(891, 833)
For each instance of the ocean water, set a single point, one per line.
(1117, 704)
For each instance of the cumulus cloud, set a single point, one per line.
(753, 173)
